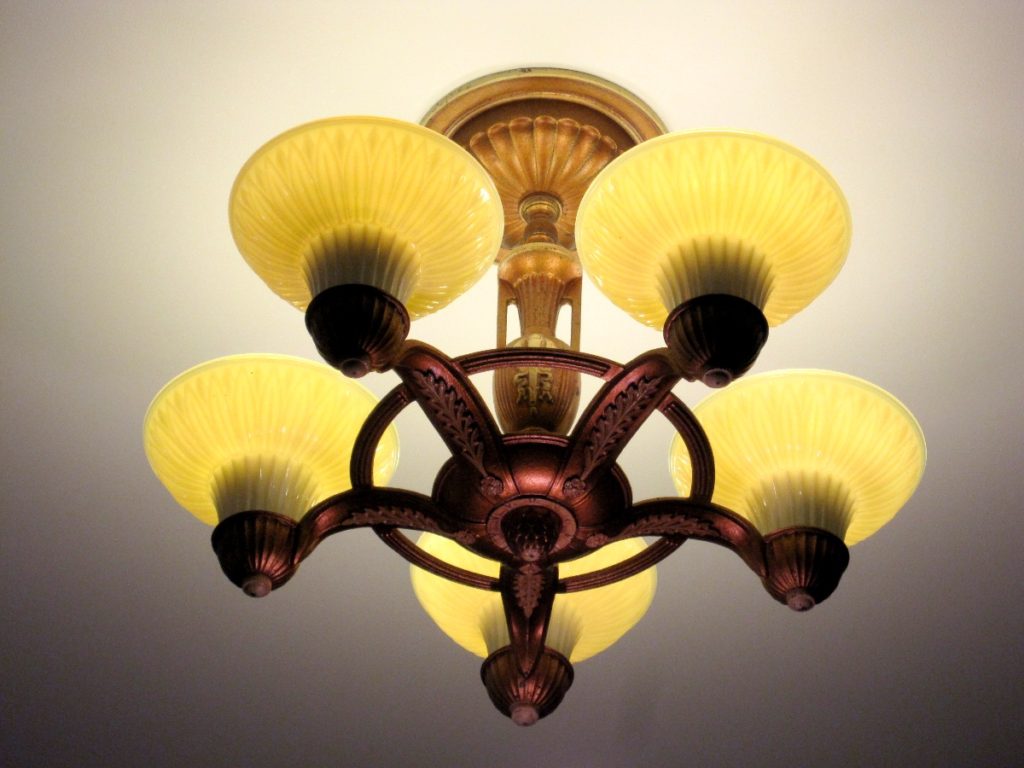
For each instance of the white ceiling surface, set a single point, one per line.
(122, 643)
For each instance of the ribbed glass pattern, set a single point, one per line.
(270, 431)
(814, 448)
(691, 213)
(260, 481)
(364, 254)
(366, 199)
(582, 623)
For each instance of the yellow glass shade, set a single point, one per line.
(265, 432)
(366, 200)
(809, 448)
(692, 213)
(582, 623)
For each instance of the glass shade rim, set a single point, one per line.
(436, 208)
(229, 360)
(826, 374)
(367, 120)
(705, 133)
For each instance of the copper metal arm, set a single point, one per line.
(675, 520)
(361, 465)
(459, 415)
(368, 507)
(638, 563)
(401, 544)
(612, 418)
(696, 520)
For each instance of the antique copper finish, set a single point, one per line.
(357, 328)
(804, 566)
(526, 698)
(538, 490)
(717, 337)
(256, 550)
(531, 501)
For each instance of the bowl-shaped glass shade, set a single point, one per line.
(704, 212)
(366, 200)
(809, 448)
(259, 432)
(582, 623)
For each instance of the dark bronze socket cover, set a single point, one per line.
(716, 337)
(526, 699)
(357, 328)
(256, 550)
(804, 566)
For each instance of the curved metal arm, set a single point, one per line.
(612, 418)
(401, 544)
(361, 465)
(675, 521)
(638, 563)
(367, 507)
(458, 414)
(697, 520)
(702, 460)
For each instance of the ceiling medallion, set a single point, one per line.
(530, 553)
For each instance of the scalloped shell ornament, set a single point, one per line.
(527, 156)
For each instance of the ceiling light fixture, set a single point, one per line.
(531, 555)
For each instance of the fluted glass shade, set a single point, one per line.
(366, 200)
(809, 448)
(582, 623)
(712, 212)
(259, 432)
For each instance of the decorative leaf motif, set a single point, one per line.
(574, 487)
(528, 586)
(670, 525)
(453, 416)
(616, 421)
(401, 517)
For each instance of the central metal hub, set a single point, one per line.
(530, 532)
(531, 527)
(536, 518)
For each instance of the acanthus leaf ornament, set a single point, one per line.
(615, 421)
(451, 412)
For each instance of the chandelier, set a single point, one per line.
(531, 552)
